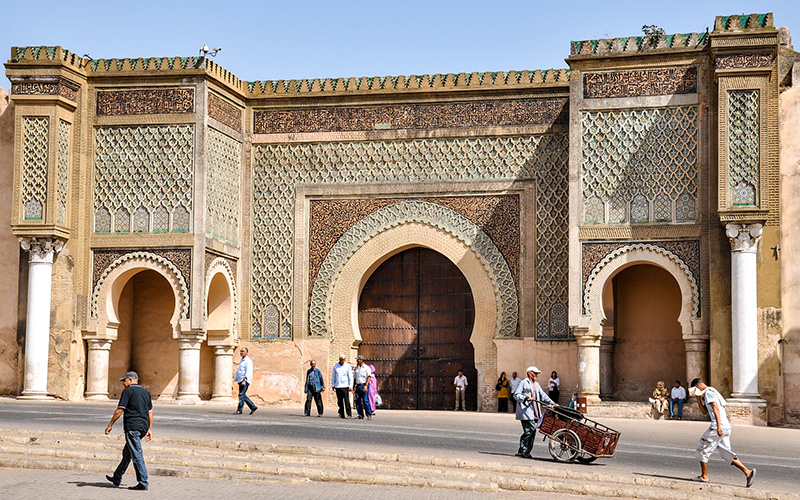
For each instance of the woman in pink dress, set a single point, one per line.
(373, 389)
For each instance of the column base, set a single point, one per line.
(35, 396)
(222, 399)
(188, 398)
(96, 397)
(751, 411)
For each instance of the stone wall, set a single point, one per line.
(10, 380)
(790, 252)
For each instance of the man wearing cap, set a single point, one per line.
(137, 407)
(530, 396)
(362, 376)
(342, 383)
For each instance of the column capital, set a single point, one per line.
(744, 237)
(189, 343)
(98, 344)
(587, 338)
(41, 250)
(224, 350)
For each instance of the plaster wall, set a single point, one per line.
(278, 373)
(9, 256)
(790, 253)
(515, 355)
(65, 375)
(148, 342)
(649, 346)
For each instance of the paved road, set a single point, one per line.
(662, 449)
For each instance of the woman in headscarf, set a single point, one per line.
(373, 390)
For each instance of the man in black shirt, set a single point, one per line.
(136, 405)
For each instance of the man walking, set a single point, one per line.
(362, 376)
(342, 382)
(718, 435)
(512, 388)
(244, 377)
(136, 407)
(677, 397)
(315, 386)
(460, 383)
(529, 396)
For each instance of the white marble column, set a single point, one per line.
(744, 308)
(607, 365)
(189, 370)
(223, 373)
(41, 253)
(97, 368)
(588, 364)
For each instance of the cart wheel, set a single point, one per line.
(564, 445)
(585, 458)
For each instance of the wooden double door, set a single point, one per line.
(416, 314)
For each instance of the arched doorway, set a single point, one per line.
(145, 341)
(416, 314)
(647, 340)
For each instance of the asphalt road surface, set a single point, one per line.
(663, 449)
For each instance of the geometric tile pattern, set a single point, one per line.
(743, 146)
(633, 155)
(552, 256)
(35, 131)
(139, 169)
(222, 185)
(277, 169)
(62, 178)
(505, 292)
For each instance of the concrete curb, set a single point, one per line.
(213, 458)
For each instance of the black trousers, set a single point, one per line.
(343, 400)
(317, 397)
(502, 405)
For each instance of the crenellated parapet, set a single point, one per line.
(450, 81)
(633, 44)
(743, 22)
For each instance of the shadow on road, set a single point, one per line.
(81, 484)
(662, 476)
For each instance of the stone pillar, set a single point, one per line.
(97, 368)
(696, 357)
(189, 370)
(41, 253)
(588, 364)
(744, 308)
(607, 367)
(223, 373)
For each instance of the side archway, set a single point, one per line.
(105, 311)
(221, 329)
(590, 333)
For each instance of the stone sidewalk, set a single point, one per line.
(66, 485)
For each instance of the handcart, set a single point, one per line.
(573, 436)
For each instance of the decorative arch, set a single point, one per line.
(446, 228)
(642, 253)
(106, 294)
(220, 267)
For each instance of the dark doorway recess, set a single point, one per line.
(416, 314)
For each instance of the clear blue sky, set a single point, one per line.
(267, 40)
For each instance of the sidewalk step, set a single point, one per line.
(211, 459)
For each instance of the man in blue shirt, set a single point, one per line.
(137, 407)
(244, 377)
(315, 386)
(529, 396)
(718, 435)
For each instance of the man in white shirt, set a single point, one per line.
(718, 434)
(677, 396)
(460, 383)
(244, 377)
(512, 388)
(342, 383)
(362, 376)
